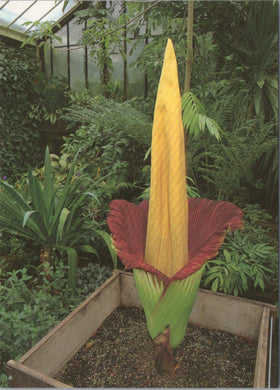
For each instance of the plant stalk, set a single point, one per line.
(165, 362)
(189, 60)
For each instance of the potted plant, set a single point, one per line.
(166, 241)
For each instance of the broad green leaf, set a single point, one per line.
(257, 101)
(93, 196)
(38, 201)
(201, 122)
(90, 249)
(48, 181)
(27, 215)
(13, 228)
(14, 196)
(107, 238)
(64, 213)
(260, 83)
(65, 193)
(213, 128)
(195, 119)
(215, 285)
(272, 81)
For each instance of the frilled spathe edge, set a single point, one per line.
(209, 221)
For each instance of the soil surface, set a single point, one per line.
(120, 354)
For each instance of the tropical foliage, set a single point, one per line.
(19, 137)
(231, 119)
(51, 217)
(31, 305)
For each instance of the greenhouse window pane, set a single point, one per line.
(60, 67)
(57, 13)
(118, 64)
(136, 78)
(39, 9)
(77, 69)
(75, 32)
(47, 61)
(94, 76)
(62, 33)
(14, 13)
(12, 10)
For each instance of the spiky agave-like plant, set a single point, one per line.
(167, 239)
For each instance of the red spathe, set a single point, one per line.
(209, 221)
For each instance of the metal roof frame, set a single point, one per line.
(9, 32)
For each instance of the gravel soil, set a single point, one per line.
(120, 354)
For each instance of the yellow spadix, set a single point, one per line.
(167, 230)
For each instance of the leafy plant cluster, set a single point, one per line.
(114, 138)
(234, 76)
(19, 136)
(248, 258)
(31, 304)
(52, 97)
(55, 217)
(28, 100)
(61, 207)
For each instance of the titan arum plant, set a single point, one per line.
(168, 239)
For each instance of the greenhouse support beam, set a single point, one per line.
(3, 5)
(13, 34)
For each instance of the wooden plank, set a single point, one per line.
(22, 376)
(227, 313)
(214, 310)
(61, 343)
(235, 315)
(13, 34)
(262, 352)
(129, 293)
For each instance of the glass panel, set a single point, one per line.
(117, 9)
(117, 74)
(60, 63)
(33, 14)
(135, 77)
(12, 10)
(93, 76)
(40, 8)
(57, 13)
(75, 32)
(47, 61)
(62, 33)
(77, 69)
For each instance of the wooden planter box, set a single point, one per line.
(247, 318)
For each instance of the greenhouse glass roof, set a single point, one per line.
(13, 14)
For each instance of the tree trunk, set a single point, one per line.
(189, 61)
(189, 58)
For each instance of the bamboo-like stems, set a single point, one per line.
(189, 61)
(189, 58)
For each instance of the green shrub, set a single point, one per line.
(114, 138)
(52, 95)
(28, 99)
(19, 136)
(30, 306)
(90, 277)
(53, 217)
(247, 259)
